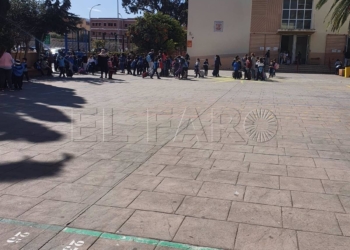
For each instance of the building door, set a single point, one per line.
(302, 47)
(287, 43)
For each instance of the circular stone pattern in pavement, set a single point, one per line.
(261, 125)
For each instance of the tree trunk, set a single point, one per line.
(39, 44)
(27, 47)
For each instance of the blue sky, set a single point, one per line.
(108, 8)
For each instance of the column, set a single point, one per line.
(294, 50)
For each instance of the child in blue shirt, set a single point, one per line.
(155, 67)
(25, 73)
(17, 74)
(236, 67)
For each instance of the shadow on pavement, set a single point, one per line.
(20, 110)
(31, 170)
(96, 80)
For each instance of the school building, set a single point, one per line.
(236, 27)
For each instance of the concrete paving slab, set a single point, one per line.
(196, 231)
(101, 218)
(258, 214)
(154, 201)
(250, 237)
(12, 206)
(53, 212)
(267, 196)
(107, 244)
(310, 220)
(204, 208)
(313, 241)
(179, 186)
(70, 241)
(152, 225)
(118, 197)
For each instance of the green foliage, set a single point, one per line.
(28, 18)
(99, 44)
(177, 9)
(5, 31)
(339, 13)
(157, 31)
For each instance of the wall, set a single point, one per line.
(236, 15)
(266, 20)
(318, 40)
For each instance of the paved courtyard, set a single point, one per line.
(141, 164)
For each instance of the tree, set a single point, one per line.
(99, 44)
(54, 16)
(36, 18)
(157, 31)
(4, 30)
(22, 17)
(177, 9)
(339, 12)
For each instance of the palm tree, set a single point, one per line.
(339, 11)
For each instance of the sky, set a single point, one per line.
(108, 8)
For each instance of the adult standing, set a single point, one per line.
(217, 64)
(299, 57)
(347, 58)
(6, 62)
(187, 58)
(267, 56)
(249, 68)
(253, 61)
(102, 61)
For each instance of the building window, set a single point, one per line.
(93, 33)
(297, 14)
(99, 33)
(115, 24)
(126, 25)
(104, 24)
(99, 24)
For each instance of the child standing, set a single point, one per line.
(235, 66)
(272, 69)
(196, 68)
(17, 74)
(110, 68)
(25, 73)
(61, 66)
(206, 67)
(128, 66)
(134, 66)
(155, 68)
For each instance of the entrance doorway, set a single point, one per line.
(302, 47)
(286, 48)
(293, 44)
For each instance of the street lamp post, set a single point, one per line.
(118, 24)
(91, 24)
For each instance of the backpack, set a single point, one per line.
(148, 58)
(133, 64)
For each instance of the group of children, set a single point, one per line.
(253, 67)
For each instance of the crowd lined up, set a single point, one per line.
(160, 64)
(150, 64)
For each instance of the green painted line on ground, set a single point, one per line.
(55, 228)
(24, 223)
(82, 231)
(183, 246)
(103, 235)
(129, 238)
